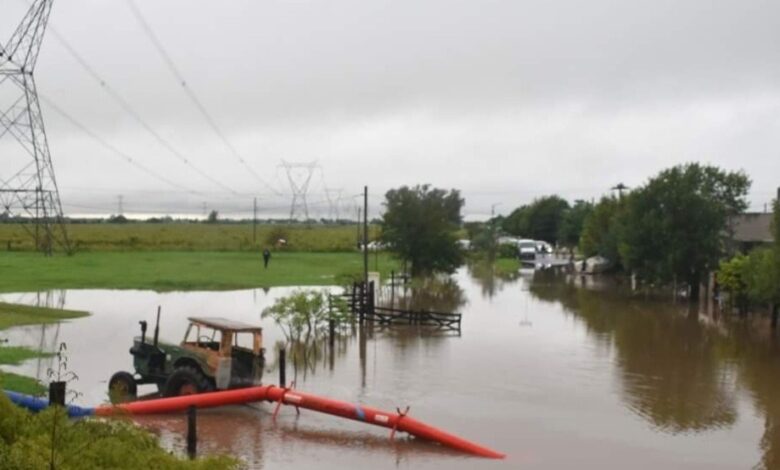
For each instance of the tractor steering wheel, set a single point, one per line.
(201, 339)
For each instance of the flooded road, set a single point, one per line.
(554, 374)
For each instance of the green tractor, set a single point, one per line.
(209, 358)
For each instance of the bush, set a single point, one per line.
(507, 251)
(731, 278)
(26, 443)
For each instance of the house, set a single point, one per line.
(750, 230)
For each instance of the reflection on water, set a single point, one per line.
(600, 379)
(490, 279)
(681, 369)
(668, 361)
(441, 293)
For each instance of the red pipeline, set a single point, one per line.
(394, 421)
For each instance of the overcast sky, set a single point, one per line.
(505, 100)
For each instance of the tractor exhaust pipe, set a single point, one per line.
(157, 327)
(143, 331)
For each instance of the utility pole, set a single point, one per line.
(365, 235)
(254, 222)
(28, 188)
(493, 209)
(120, 210)
(620, 187)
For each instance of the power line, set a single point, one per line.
(133, 113)
(113, 149)
(191, 94)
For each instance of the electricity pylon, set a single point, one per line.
(28, 189)
(299, 175)
(333, 196)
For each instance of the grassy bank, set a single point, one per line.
(27, 271)
(19, 315)
(187, 236)
(13, 356)
(507, 265)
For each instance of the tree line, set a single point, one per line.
(671, 230)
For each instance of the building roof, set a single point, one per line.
(753, 227)
(220, 323)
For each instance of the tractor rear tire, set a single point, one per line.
(186, 380)
(122, 387)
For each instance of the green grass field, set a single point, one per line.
(18, 315)
(186, 236)
(172, 270)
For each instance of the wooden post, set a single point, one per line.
(57, 393)
(392, 289)
(365, 235)
(192, 432)
(370, 298)
(332, 332)
(282, 366)
(362, 303)
(775, 312)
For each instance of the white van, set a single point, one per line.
(527, 249)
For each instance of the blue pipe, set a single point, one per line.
(36, 404)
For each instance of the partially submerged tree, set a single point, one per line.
(420, 226)
(674, 225)
(303, 317)
(601, 229)
(571, 226)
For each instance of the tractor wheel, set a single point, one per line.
(122, 387)
(186, 380)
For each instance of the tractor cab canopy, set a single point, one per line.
(221, 336)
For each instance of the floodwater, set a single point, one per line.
(556, 371)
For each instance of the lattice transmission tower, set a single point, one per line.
(299, 175)
(28, 188)
(333, 195)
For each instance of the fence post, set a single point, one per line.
(332, 332)
(282, 366)
(353, 299)
(362, 303)
(371, 297)
(392, 289)
(192, 432)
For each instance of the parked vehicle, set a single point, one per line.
(527, 249)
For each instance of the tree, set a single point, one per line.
(601, 229)
(517, 223)
(541, 220)
(420, 226)
(573, 221)
(674, 225)
(212, 217)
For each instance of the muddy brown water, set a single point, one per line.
(555, 374)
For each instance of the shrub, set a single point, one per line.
(26, 443)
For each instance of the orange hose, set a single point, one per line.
(271, 393)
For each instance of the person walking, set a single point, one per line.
(266, 257)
